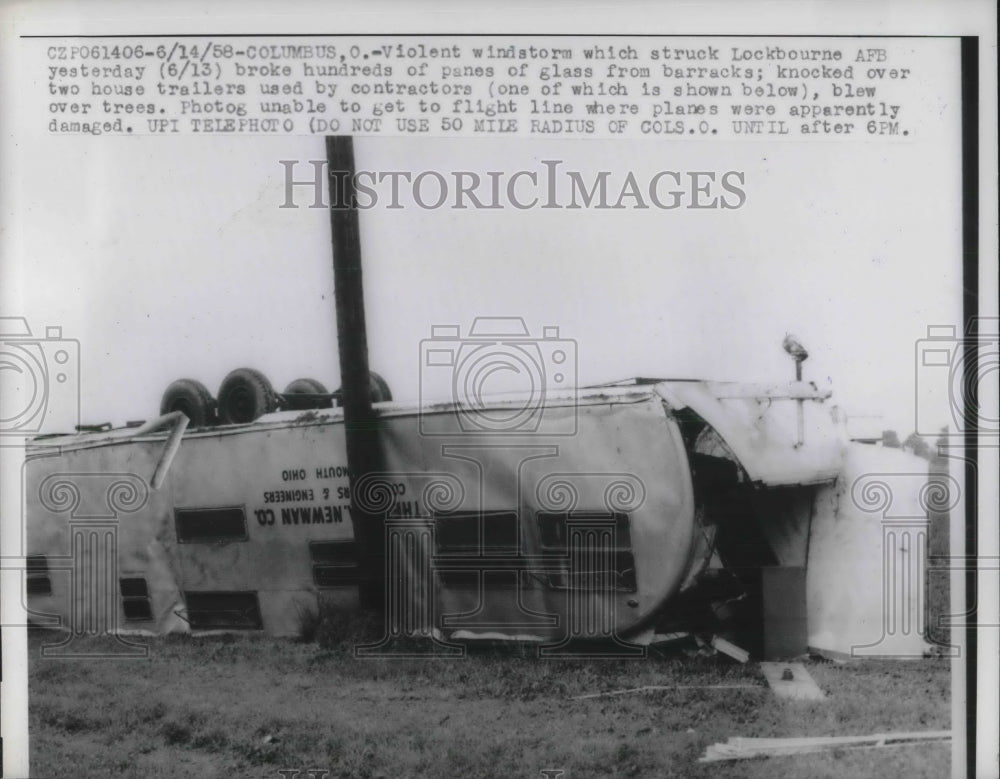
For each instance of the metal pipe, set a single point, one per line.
(173, 444)
(361, 428)
(801, 407)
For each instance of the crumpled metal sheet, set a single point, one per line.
(759, 424)
(94, 516)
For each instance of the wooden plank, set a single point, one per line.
(660, 687)
(741, 748)
(791, 680)
(729, 648)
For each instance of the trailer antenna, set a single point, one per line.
(798, 353)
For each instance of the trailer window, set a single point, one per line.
(212, 524)
(223, 610)
(135, 599)
(484, 579)
(37, 575)
(616, 559)
(474, 535)
(334, 563)
(477, 532)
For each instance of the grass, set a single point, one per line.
(250, 705)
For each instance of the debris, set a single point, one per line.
(701, 648)
(791, 680)
(728, 648)
(741, 748)
(668, 638)
(660, 687)
(829, 656)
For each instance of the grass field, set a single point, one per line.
(249, 705)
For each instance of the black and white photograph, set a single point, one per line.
(399, 395)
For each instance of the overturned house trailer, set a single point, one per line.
(631, 510)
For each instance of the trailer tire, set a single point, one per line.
(378, 390)
(293, 395)
(245, 395)
(191, 398)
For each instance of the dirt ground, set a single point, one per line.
(249, 705)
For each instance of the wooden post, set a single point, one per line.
(361, 428)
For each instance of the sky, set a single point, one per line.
(170, 257)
